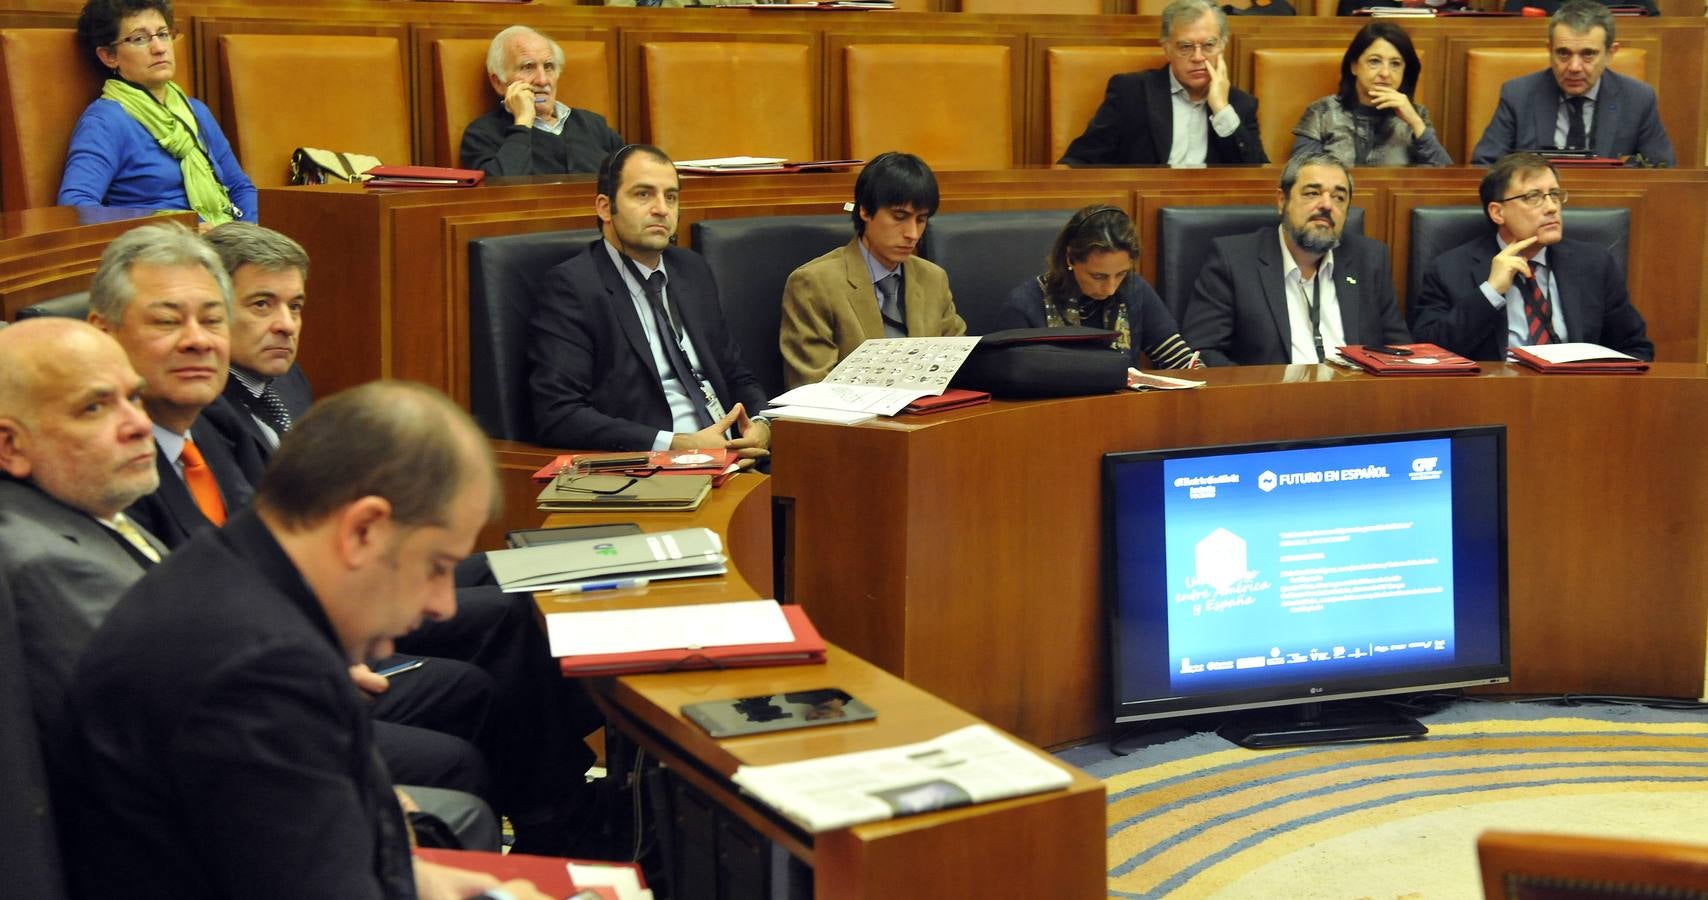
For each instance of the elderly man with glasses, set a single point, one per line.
(1186, 113)
(1526, 283)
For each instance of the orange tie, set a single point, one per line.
(200, 480)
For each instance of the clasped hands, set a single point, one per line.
(753, 445)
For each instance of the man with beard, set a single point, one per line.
(1526, 284)
(1293, 294)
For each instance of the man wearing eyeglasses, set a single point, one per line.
(1185, 113)
(1526, 284)
(531, 132)
(1577, 104)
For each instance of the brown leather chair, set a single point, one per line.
(335, 92)
(1519, 866)
(949, 104)
(1033, 7)
(1487, 68)
(45, 85)
(1285, 81)
(763, 104)
(1079, 77)
(462, 93)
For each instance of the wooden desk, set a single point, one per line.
(1043, 845)
(962, 551)
(47, 253)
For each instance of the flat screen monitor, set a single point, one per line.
(1301, 573)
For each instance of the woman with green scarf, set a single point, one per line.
(145, 144)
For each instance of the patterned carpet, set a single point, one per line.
(1200, 817)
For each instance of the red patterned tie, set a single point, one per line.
(1538, 315)
(200, 480)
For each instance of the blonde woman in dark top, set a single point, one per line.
(1375, 119)
(1089, 280)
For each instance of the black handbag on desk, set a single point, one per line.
(1024, 363)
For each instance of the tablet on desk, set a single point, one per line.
(777, 712)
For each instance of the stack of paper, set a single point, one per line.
(975, 764)
(685, 553)
(699, 636)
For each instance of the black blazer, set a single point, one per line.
(1450, 308)
(170, 513)
(1238, 311)
(591, 369)
(233, 420)
(1135, 127)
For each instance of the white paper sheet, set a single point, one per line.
(667, 628)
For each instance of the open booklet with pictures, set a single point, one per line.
(975, 764)
(880, 378)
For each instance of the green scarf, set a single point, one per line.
(173, 125)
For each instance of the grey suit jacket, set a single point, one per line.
(1238, 311)
(830, 308)
(66, 571)
(1627, 119)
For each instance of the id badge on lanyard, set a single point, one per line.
(714, 406)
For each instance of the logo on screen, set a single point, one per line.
(1424, 468)
(1221, 559)
(1266, 481)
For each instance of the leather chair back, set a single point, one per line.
(949, 104)
(45, 84)
(1078, 79)
(988, 253)
(31, 865)
(1286, 80)
(462, 93)
(1183, 238)
(763, 104)
(751, 260)
(1033, 7)
(70, 306)
(1438, 229)
(1487, 68)
(335, 92)
(504, 275)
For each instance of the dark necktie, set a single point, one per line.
(653, 285)
(891, 306)
(1538, 314)
(1574, 123)
(269, 408)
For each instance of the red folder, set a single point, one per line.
(1425, 359)
(1612, 366)
(423, 176)
(548, 873)
(953, 398)
(807, 647)
(643, 464)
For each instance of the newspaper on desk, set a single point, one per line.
(881, 376)
(975, 764)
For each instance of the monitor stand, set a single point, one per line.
(1319, 723)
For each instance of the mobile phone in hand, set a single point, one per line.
(402, 665)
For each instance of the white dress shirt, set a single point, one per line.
(1303, 344)
(1191, 143)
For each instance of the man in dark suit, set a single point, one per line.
(1526, 283)
(536, 783)
(529, 131)
(1577, 103)
(628, 349)
(1295, 293)
(223, 755)
(1186, 113)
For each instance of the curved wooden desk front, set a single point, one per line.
(1043, 845)
(961, 551)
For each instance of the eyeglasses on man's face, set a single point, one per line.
(141, 39)
(1533, 199)
(1187, 49)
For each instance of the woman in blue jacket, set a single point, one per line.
(145, 144)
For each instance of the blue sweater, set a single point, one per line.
(114, 161)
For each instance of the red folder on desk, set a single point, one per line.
(548, 873)
(423, 176)
(953, 398)
(1424, 359)
(807, 647)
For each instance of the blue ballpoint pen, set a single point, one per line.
(615, 585)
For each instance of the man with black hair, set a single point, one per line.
(628, 349)
(874, 287)
(1525, 283)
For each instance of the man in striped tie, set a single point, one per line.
(1526, 283)
(269, 273)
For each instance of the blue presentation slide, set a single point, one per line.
(1317, 562)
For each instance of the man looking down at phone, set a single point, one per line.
(1527, 283)
(222, 756)
(530, 132)
(1186, 113)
